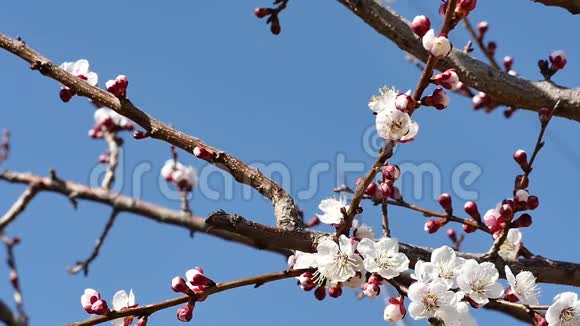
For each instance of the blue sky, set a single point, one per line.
(298, 100)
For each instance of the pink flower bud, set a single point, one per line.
(469, 228)
(470, 208)
(438, 99)
(445, 202)
(420, 25)
(66, 94)
(521, 158)
(508, 62)
(480, 100)
(262, 12)
(384, 190)
(540, 320)
(509, 295)
(558, 60)
(375, 279)
(533, 202)
(142, 321)
(320, 293)
(464, 7)
(395, 310)
(335, 292)
(438, 46)
(491, 47)
(178, 284)
(371, 189)
(104, 158)
(202, 153)
(523, 221)
(482, 28)
(140, 134)
(452, 235)
(185, 313)
(432, 226)
(396, 194)
(306, 281)
(521, 197)
(405, 103)
(447, 79)
(14, 279)
(521, 182)
(371, 290)
(391, 172)
(100, 307)
(88, 298)
(275, 27)
(118, 86)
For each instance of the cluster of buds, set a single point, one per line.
(372, 287)
(78, 69)
(272, 14)
(107, 120)
(93, 303)
(384, 189)
(195, 282)
(556, 61)
(184, 177)
(118, 86)
(395, 310)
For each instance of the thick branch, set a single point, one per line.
(502, 87)
(284, 207)
(236, 228)
(573, 6)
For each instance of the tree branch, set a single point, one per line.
(284, 208)
(220, 287)
(502, 87)
(573, 6)
(238, 229)
(19, 205)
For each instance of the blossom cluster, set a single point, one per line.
(93, 303)
(182, 176)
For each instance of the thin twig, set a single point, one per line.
(479, 41)
(111, 139)
(385, 212)
(14, 278)
(84, 265)
(19, 205)
(220, 287)
(387, 151)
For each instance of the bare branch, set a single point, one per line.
(84, 265)
(502, 87)
(284, 208)
(19, 206)
(111, 139)
(573, 6)
(22, 318)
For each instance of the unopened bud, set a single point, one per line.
(140, 134)
(447, 79)
(202, 153)
(262, 12)
(482, 28)
(491, 47)
(558, 60)
(470, 208)
(533, 202)
(65, 94)
(521, 158)
(405, 103)
(508, 62)
(521, 182)
(335, 292)
(545, 115)
(420, 25)
(100, 307)
(432, 226)
(178, 284)
(445, 202)
(452, 235)
(185, 313)
(438, 99)
(320, 293)
(469, 228)
(523, 221)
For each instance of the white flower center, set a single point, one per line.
(342, 262)
(430, 301)
(396, 127)
(507, 247)
(478, 286)
(568, 317)
(384, 262)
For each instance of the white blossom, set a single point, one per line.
(438, 46)
(433, 300)
(523, 286)
(304, 260)
(331, 209)
(384, 101)
(479, 281)
(362, 231)
(383, 257)
(565, 311)
(177, 173)
(444, 266)
(122, 301)
(338, 262)
(80, 69)
(103, 114)
(396, 125)
(510, 247)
